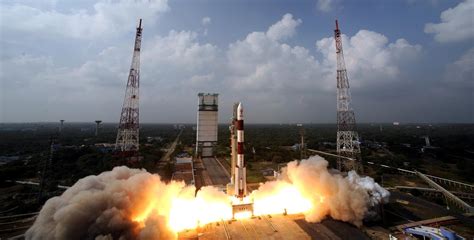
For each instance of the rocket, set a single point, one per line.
(240, 171)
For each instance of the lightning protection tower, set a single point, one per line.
(97, 125)
(61, 125)
(302, 144)
(127, 136)
(347, 137)
(46, 181)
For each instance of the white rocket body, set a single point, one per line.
(240, 170)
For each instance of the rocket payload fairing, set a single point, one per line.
(240, 171)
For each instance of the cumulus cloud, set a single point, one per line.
(177, 65)
(177, 59)
(172, 62)
(106, 18)
(179, 50)
(259, 62)
(461, 72)
(457, 24)
(284, 28)
(325, 5)
(369, 57)
(263, 62)
(49, 85)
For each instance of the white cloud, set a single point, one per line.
(461, 72)
(61, 92)
(107, 18)
(206, 21)
(260, 68)
(369, 58)
(457, 24)
(169, 64)
(260, 61)
(178, 56)
(284, 28)
(324, 5)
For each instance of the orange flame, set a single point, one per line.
(187, 211)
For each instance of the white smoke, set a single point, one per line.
(348, 199)
(102, 207)
(133, 204)
(377, 194)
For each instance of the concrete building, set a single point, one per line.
(206, 131)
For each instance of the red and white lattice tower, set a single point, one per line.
(347, 137)
(127, 136)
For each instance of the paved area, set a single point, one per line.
(171, 149)
(216, 172)
(276, 227)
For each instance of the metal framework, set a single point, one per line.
(450, 198)
(347, 137)
(45, 177)
(127, 136)
(97, 126)
(61, 125)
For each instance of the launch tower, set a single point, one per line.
(127, 136)
(233, 149)
(347, 137)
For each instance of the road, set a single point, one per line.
(217, 173)
(171, 149)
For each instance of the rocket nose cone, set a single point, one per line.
(240, 111)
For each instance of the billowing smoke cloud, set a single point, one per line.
(344, 198)
(104, 206)
(134, 204)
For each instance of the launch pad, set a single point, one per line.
(242, 210)
(275, 227)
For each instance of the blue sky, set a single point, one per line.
(407, 60)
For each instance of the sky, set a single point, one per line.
(407, 60)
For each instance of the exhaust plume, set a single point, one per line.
(133, 204)
(343, 198)
(120, 204)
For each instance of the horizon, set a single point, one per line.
(257, 123)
